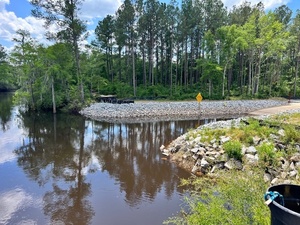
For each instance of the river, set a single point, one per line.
(65, 169)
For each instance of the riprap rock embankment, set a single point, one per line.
(153, 111)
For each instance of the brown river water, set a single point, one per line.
(65, 169)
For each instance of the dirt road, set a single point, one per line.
(275, 110)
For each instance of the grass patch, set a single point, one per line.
(246, 132)
(292, 119)
(267, 154)
(291, 135)
(237, 199)
(233, 149)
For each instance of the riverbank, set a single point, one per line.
(268, 141)
(244, 157)
(154, 111)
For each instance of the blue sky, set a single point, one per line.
(16, 14)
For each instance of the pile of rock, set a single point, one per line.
(203, 158)
(153, 111)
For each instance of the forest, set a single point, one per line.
(154, 50)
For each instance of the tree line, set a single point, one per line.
(149, 49)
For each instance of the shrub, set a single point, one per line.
(236, 199)
(291, 134)
(266, 153)
(233, 149)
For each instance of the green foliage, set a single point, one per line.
(211, 70)
(209, 134)
(291, 135)
(151, 50)
(73, 107)
(253, 128)
(267, 154)
(233, 149)
(235, 198)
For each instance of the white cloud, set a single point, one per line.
(10, 23)
(268, 4)
(3, 3)
(8, 143)
(92, 9)
(13, 201)
(91, 12)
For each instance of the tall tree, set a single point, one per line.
(150, 13)
(64, 14)
(142, 34)
(57, 65)
(283, 14)
(186, 27)
(172, 12)
(232, 40)
(126, 35)
(104, 36)
(239, 15)
(268, 40)
(295, 31)
(24, 58)
(6, 78)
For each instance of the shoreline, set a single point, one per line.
(198, 157)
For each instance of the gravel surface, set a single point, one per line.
(157, 111)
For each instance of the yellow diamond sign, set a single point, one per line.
(199, 97)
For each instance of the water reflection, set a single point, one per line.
(129, 152)
(63, 149)
(6, 106)
(54, 152)
(77, 167)
(12, 201)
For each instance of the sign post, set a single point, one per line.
(199, 99)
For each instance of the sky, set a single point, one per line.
(16, 14)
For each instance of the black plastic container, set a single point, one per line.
(286, 212)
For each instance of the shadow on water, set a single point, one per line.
(66, 155)
(6, 106)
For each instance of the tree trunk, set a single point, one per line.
(151, 77)
(77, 61)
(171, 69)
(258, 76)
(120, 63)
(157, 78)
(296, 76)
(53, 95)
(192, 61)
(186, 63)
(144, 70)
(177, 65)
(133, 69)
(31, 95)
(223, 83)
(241, 74)
(296, 71)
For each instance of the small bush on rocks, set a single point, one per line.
(209, 134)
(291, 135)
(224, 203)
(246, 132)
(266, 153)
(233, 149)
